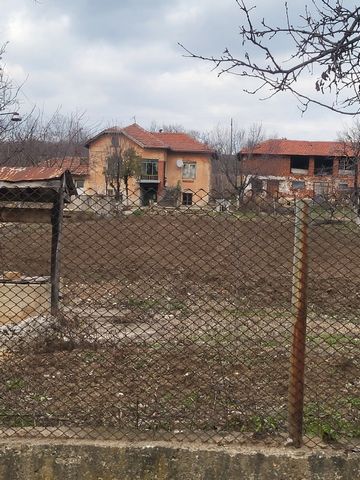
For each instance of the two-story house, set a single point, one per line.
(292, 168)
(168, 161)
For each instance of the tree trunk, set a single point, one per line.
(126, 181)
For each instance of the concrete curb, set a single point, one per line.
(94, 460)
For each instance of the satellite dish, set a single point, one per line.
(179, 163)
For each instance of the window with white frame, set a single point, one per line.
(346, 165)
(79, 183)
(189, 171)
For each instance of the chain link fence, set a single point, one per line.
(178, 322)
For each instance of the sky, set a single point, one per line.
(118, 61)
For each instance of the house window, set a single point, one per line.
(299, 164)
(189, 171)
(79, 183)
(298, 185)
(343, 186)
(346, 165)
(323, 166)
(321, 188)
(149, 170)
(187, 198)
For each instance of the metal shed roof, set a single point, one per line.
(35, 184)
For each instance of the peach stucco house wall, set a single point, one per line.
(169, 161)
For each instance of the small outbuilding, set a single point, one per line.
(44, 186)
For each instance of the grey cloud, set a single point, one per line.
(116, 59)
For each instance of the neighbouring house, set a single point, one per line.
(174, 167)
(298, 168)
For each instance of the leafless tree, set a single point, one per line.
(121, 165)
(350, 149)
(323, 42)
(8, 99)
(45, 140)
(175, 128)
(36, 138)
(229, 174)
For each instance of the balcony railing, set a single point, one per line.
(149, 178)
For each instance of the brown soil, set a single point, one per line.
(182, 322)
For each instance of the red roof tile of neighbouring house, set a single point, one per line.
(182, 142)
(78, 166)
(299, 147)
(177, 142)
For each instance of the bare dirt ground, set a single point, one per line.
(177, 323)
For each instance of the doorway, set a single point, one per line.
(148, 193)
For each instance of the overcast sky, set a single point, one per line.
(119, 59)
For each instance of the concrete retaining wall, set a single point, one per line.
(85, 460)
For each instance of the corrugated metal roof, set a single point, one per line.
(28, 174)
(35, 184)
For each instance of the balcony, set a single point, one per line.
(149, 172)
(149, 178)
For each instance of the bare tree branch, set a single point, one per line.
(325, 43)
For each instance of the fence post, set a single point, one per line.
(56, 222)
(299, 306)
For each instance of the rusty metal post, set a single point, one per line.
(299, 306)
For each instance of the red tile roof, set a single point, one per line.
(182, 142)
(298, 147)
(142, 136)
(76, 165)
(177, 142)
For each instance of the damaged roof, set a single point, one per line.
(299, 147)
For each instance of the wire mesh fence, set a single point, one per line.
(178, 322)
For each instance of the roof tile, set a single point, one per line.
(177, 142)
(299, 147)
(182, 142)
